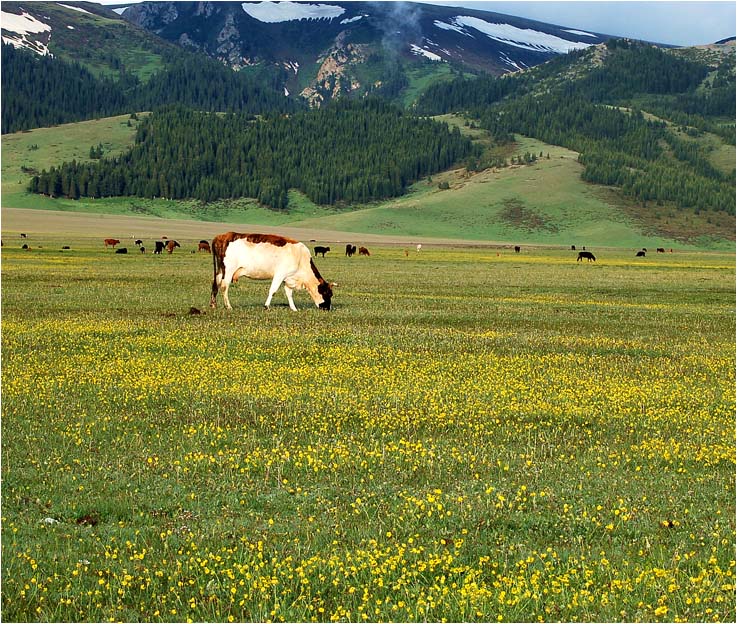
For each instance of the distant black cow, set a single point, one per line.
(660, 250)
(138, 242)
(321, 250)
(573, 248)
(122, 250)
(640, 254)
(159, 247)
(350, 250)
(516, 249)
(143, 249)
(587, 255)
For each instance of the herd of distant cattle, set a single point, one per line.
(282, 260)
(165, 244)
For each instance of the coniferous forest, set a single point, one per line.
(351, 152)
(359, 151)
(599, 117)
(43, 91)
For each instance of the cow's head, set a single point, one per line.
(326, 290)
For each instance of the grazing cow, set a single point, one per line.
(138, 242)
(660, 250)
(65, 247)
(573, 248)
(419, 246)
(171, 245)
(640, 254)
(587, 255)
(122, 250)
(25, 246)
(22, 235)
(516, 248)
(321, 250)
(350, 250)
(362, 251)
(267, 256)
(143, 249)
(159, 247)
(111, 242)
(203, 246)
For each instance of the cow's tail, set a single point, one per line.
(216, 260)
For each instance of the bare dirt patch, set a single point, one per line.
(516, 214)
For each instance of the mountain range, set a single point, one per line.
(316, 51)
(345, 47)
(655, 123)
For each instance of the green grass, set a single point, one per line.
(421, 76)
(544, 203)
(471, 435)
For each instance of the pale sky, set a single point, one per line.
(676, 22)
(680, 23)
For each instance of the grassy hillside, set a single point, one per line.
(543, 203)
(105, 45)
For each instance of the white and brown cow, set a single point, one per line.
(267, 256)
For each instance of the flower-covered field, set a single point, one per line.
(468, 436)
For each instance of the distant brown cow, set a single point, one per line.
(362, 251)
(204, 246)
(171, 245)
(111, 242)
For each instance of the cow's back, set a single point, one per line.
(258, 256)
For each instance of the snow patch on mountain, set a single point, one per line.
(426, 53)
(19, 27)
(73, 8)
(272, 12)
(120, 10)
(578, 32)
(453, 27)
(524, 38)
(350, 20)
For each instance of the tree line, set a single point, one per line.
(350, 151)
(597, 115)
(42, 91)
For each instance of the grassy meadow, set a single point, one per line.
(471, 435)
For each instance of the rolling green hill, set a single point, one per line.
(543, 203)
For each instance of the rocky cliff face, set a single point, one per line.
(325, 45)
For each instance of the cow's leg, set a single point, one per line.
(214, 293)
(289, 292)
(275, 283)
(223, 283)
